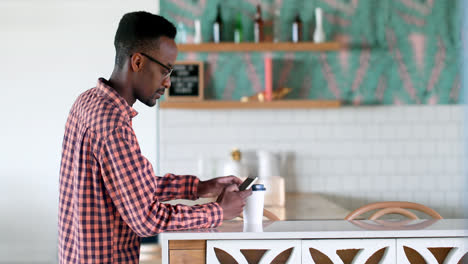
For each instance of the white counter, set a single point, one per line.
(328, 237)
(299, 206)
(327, 229)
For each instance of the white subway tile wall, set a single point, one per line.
(352, 155)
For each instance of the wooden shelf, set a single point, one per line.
(263, 46)
(281, 104)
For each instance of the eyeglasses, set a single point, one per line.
(169, 70)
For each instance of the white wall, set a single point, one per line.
(51, 52)
(464, 60)
(352, 155)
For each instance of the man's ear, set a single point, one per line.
(136, 62)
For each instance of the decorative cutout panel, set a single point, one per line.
(253, 251)
(431, 250)
(348, 251)
(251, 255)
(224, 257)
(347, 255)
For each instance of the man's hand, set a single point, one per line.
(232, 201)
(214, 187)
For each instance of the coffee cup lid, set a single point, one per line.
(258, 187)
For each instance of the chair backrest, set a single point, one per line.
(271, 216)
(385, 208)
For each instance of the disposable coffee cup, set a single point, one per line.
(255, 228)
(253, 209)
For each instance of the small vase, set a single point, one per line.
(319, 34)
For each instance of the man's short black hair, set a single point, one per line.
(139, 32)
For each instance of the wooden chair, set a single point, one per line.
(385, 208)
(271, 216)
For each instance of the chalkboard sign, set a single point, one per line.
(186, 82)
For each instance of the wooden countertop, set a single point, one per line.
(305, 206)
(299, 206)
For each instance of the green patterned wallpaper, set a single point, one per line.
(395, 51)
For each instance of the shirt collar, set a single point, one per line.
(109, 92)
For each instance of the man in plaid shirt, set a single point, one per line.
(109, 194)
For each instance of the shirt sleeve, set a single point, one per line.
(172, 187)
(131, 184)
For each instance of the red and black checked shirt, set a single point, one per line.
(109, 194)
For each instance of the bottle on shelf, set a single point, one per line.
(238, 31)
(319, 34)
(297, 29)
(181, 36)
(198, 37)
(218, 26)
(277, 24)
(258, 26)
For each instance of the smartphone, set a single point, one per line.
(248, 183)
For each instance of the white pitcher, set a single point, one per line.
(268, 164)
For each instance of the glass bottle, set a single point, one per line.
(238, 29)
(319, 34)
(181, 36)
(258, 26)
(297, 29)
(218, 26)
(277, 24)
(197, 37)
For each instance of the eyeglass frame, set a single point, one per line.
(167, 75)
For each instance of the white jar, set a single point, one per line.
(235, 167)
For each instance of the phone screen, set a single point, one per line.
(247, 183)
